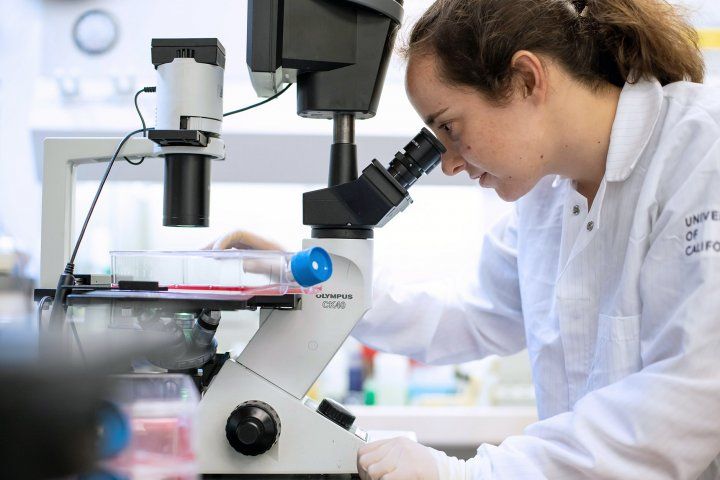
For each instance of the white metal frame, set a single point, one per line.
(60, 157)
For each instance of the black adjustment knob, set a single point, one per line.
(337, 413)
(253, 428)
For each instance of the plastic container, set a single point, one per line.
(158, 438)
(242, 272)
(391, 376)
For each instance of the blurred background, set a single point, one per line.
(71, 67)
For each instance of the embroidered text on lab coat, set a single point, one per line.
(703, 234)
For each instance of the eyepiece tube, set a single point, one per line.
(421, 155)
(187, 190)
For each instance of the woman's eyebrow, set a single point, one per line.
(431, 118)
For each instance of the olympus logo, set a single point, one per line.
(344, 296)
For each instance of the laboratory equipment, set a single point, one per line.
(189, 120)
(336, 52)
(159, 439)
(187, 136)
(17, 329)
(60, 421)
(254, 416)
(226, 272)
(95, 32)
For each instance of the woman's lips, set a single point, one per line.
(483, 180)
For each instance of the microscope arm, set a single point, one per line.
(292, 348)
(279, 365)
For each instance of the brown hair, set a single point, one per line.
(597, 41)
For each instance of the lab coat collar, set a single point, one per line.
(637, 115)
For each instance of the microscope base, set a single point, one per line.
(308, 443)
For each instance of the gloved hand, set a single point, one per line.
(243, 240)
(398, 459)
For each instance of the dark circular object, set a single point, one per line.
(349, 233)
(337, 413)
(253, 428)
(95, 32)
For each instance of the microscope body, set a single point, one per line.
(256, 418)
(279, 365)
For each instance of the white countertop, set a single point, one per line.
(448, 426)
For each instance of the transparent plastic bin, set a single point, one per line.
(158, 440)
(240, 272)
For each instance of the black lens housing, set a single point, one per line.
(421, 155)
(187, 190)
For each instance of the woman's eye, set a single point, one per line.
(447, 127)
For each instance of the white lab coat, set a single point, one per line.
(619, 306)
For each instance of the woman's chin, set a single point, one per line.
(509, 193)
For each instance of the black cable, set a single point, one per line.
(99, 190)
(142, 119)
(137, 107)
(135, 164)
(67, 279)
(78, 342)
(244, 109)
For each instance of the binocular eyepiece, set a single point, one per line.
(421, 155)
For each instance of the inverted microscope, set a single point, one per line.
(254, 415)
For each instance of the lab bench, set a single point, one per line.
(454, 427)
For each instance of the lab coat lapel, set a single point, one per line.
(636, 118)
(577, 288)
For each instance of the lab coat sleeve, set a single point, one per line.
(662, 422)
(444, 323)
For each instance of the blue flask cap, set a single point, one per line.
(311, 266)
(114, 431)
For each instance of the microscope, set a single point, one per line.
(254, 415)
(256, 418)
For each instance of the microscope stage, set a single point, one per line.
(186, 300)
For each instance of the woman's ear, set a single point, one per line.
(531, 77)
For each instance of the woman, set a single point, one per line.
(608, 271)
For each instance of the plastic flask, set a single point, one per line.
(158, 440)
(240, 272)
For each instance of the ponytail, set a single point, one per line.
(599, 42)
(646, 38)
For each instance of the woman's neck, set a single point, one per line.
(584, 125)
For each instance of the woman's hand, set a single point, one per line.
(243, 240)
(397, 459)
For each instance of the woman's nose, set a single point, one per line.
(452, 163)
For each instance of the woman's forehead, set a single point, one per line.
(421, 76)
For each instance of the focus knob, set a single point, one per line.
(253, 428)
(337, 413)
